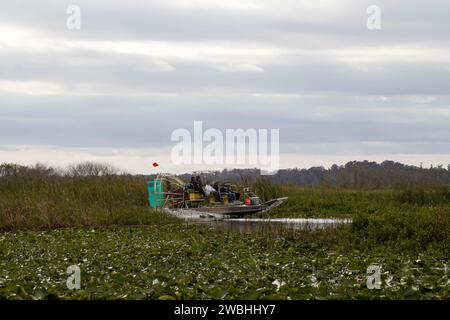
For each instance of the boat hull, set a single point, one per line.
(240, 209)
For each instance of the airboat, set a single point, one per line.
(169, 192)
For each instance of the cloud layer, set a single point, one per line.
(137, 70)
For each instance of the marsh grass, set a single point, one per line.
(263, 187)
(406, 218)
(420, 196)
(56, 202)
(411, 230)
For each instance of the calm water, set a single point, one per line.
(273, 225)
(249, 225)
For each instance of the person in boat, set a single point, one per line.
(191, 184)
(197, 185)
(199, 182)
(226, 189)
(216, 187)
(237, 195)
(210, 190)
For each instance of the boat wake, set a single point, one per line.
(192, 214)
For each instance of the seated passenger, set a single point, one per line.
(199, 181)
(193, 183)
(226, 190)
(234, 196)
(197, 185)
(209, 189)
(215, 185)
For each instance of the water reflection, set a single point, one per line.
(249, 225)
(273, 225)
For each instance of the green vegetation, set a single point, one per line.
(410, 218)
(179, 261)
(49, 223)
(425, 197)
(264, 188)
(56, 202)
(335, 202)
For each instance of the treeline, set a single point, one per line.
(354, 174)
(85, 169)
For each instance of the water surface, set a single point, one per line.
(249, 225)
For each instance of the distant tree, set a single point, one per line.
(354, 174)
(90, 168)
(41, 170)
(11, 169)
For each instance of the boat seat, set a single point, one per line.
(195, 202)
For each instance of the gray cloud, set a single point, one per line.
(140, 69)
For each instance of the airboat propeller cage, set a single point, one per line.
(156, 193)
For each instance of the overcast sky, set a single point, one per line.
(136, 70)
